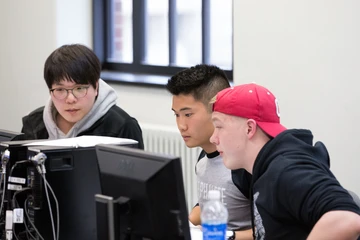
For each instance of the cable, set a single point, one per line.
(14, 233)
(31, 223)
(27, 229)
(50, 209)
(39, 161)
(15, 165)
(3, 176)
(57, 209)
(26, 233)
(5, 157)
(16, 193)
(15, 204)
(1, 179)
(3, 193)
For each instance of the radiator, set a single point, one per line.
(167, 140)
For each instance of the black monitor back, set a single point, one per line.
(154, 185)
(73, 174)
(6, 135)
(74, 177)
(18, 152)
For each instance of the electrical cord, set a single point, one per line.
(16, 164)
(5, 157)
(3, 176)
(14, 233)
(50, 209)
(39, 161)
(41, 169)
(57, 209)
(26, 233)
(15, 204)
(17, 192)
(1, 179)
(31, 223)
(27, 228)
(29, 232)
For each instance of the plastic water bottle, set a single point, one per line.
(214, 217)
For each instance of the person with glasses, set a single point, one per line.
(80, 102)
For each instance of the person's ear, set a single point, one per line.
(251, 127)
(97, 88)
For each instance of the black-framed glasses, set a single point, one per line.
(62, 93)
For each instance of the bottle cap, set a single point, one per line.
(214, 195)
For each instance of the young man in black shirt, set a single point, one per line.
(294, 193)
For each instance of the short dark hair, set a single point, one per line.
(74, 62)
(201, 81)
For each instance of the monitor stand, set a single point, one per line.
(108, 212)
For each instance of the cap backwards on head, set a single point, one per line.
(251, 101)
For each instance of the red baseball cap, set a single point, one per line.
(251, 101)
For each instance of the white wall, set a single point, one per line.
(30, 31)
(148, 105)
(27, 36)
(306, 52)
(73, 22)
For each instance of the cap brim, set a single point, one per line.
(272, 129)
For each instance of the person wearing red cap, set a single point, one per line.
(191, 91)
(294, 193)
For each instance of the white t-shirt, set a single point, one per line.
(212, 174)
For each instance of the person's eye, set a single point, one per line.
(79, 89)
(188, 114)
(60, 90)
(176, 115)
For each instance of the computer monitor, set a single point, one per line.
(72, 173)
(16, 168)
(6, 135)
(142, 195)
(74, 176)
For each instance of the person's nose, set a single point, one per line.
(70, 98)
(181, 123)
(214, 139)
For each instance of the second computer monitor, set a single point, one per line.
(148, 191)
